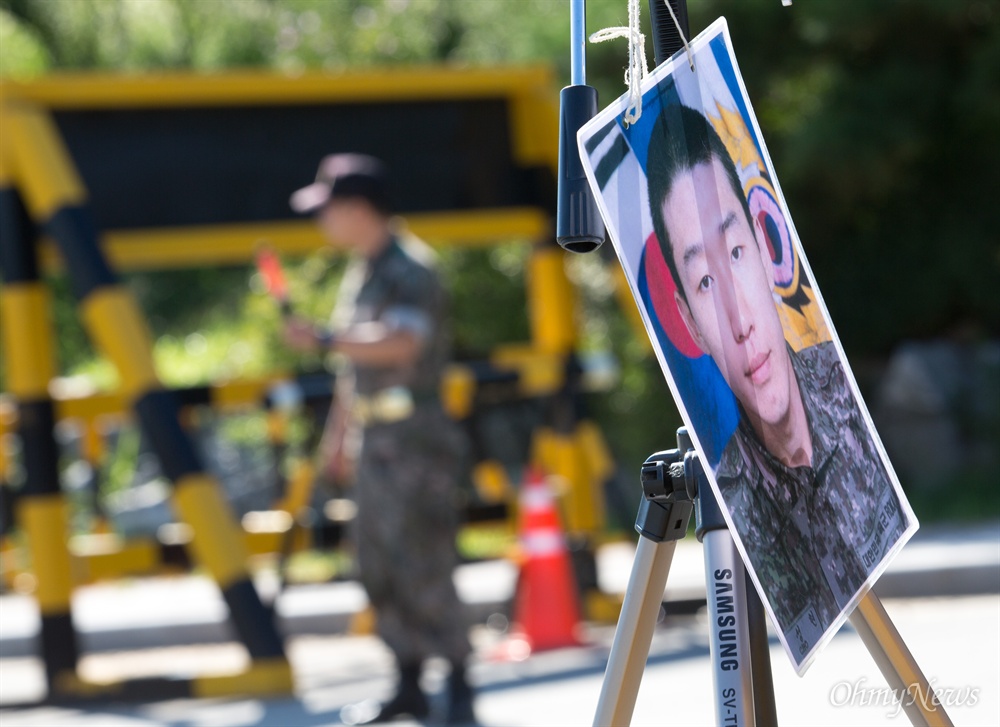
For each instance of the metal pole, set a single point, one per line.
(729, 636)
(662, 520)
(764, 708)
(579, 227)
(897, 664)
(634, 634)
(577, 42)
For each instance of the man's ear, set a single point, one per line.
(689, 322)
(765, 254)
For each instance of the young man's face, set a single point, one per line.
(342, 221)
(728, 280)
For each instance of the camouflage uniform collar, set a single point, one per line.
(816, 371)
(385, 253)
(813, 374)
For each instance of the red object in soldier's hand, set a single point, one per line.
(271, 272)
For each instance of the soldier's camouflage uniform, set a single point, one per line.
(408, 468)
(815, 533)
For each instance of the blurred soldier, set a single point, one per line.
(811, 499)
(389, 325)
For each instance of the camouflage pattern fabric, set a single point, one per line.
(813, 534)
(400, 288)
(407, 471)
(406, 527)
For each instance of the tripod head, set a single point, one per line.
(673, 484)
(670, 483)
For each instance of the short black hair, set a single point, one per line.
(682, 138)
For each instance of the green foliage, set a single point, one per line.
(73, 348)
(970, 496)
(638, 414)
(285, 34)
(21, 53)
(221, 288)
(877, 117)
(486, 285)
(881, 119)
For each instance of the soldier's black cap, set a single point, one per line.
(343, 176)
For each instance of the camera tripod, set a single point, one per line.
(674, 485)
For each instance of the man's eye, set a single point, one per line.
(737, 252)
(705, 283)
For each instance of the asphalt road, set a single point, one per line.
(955, 640)
(942, 593)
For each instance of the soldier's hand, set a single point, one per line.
(300, 335)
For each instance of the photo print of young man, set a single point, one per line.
(698, 221)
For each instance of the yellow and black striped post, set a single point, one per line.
(41, 510)
(569, 445)
(56, 199)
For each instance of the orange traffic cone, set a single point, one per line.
(546, 608)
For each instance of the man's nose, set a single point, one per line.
(737, 313)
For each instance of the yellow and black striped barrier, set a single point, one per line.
(25, 314)
(41, 171)
(37, 165)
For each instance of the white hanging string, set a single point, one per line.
(637, 68)
(677, 24)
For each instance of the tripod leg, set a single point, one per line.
(896, 663)
(765, 711)
(729, 636)
(634, 634)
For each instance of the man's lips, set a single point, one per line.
(759, 368)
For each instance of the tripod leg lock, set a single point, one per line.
(659, 521)
(666, 507)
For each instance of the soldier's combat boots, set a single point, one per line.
(408, 700)
(460, 710)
